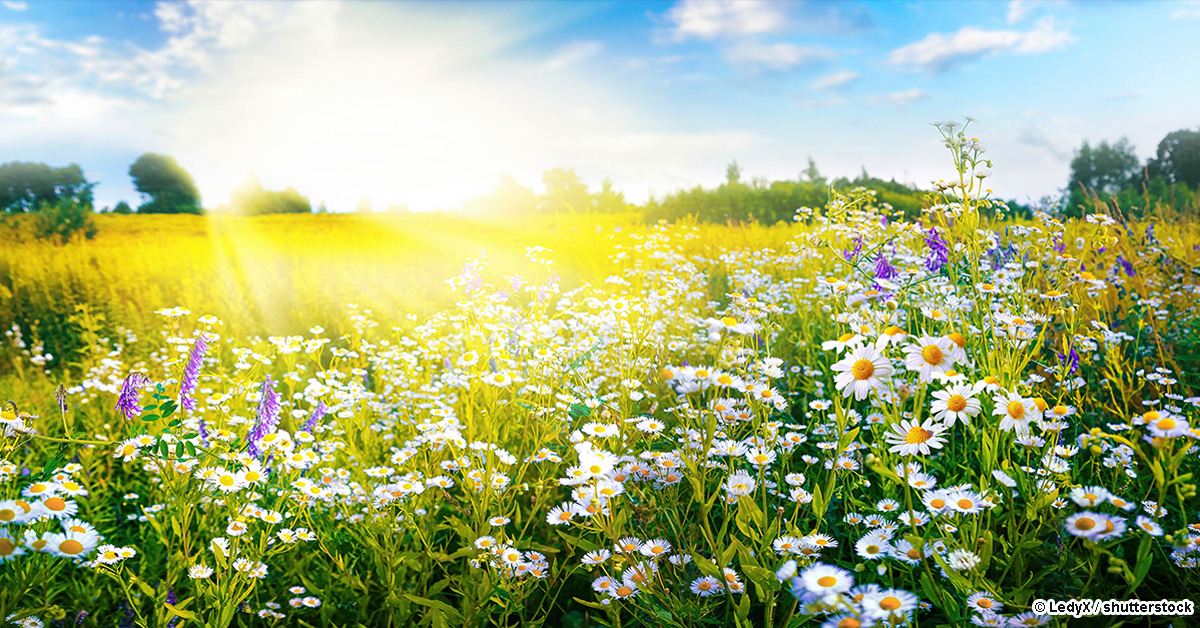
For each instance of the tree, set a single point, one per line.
(609, 200)
(1106, 168)
(122, 208)
(62, 220)
(27, 186)
(565, 192)
(165, 186)
(733, 173)
(1178, 158)
(252, 200)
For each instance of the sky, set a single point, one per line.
(428, 105)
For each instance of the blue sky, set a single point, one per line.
(429, 104)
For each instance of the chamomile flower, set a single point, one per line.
(862, 370)
(954, 404)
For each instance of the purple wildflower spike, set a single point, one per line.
(129, 402)
(266, 418)
(191, 375)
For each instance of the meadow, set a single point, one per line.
(852, 419)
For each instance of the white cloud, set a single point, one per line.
(14, 5)
(898, 99)
(939, 52)
(711, 19)
(1187, 9)
(573, 53)
(777, 56)
(835, 80)
(1019, 10)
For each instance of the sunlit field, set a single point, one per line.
(853, 419)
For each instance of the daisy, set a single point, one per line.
(706, 586)
(71, 544)
(955, 404)
(786, 545)
(1087, 524)
(889, 603)
(909, 438)
(822, 579)
(596, 557)
(984, 602)
(962, 560)
(863, 370)
(9, 549)
(843, 342)
(965, 502)
(873, 546)
(1089, 496)
(1148, 526)
(1168, 427)
(929, 356)
(560, 515)
(628, 545)
(655, 548)
(1017, 412)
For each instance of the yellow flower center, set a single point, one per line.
(1166, 424)
(56, 504)
(938, 503)
(889, 603)
(918, 435)
(71, 546)
(845, 337)
(7, 515)
(1016, 409)
(956, 403)
(849, 622)
(826, 581)
(985, 603)
(863, 369)
(7, 547)
(965, 504)
(226, 480)
(1085, 523)
(932, 354)
(914, 554)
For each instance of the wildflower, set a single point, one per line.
(983, 602)
(128, 402)
(596, 557)
(1148, 526)
(1087, 524)
(191, 374)
(1017, 412)
(889, 603)
(822, 579)
(266, 417)
(864, 369)
(908, 438)
(963, 560)
(929, 356)
(706, 586)
(955, 404)
(655, 548)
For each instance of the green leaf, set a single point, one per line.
(441, 606)
(178, 612)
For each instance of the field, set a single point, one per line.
(849, 420)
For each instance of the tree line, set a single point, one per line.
(1108, 173)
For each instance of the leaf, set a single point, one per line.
(178, 612)
(707, 567)
(441, 606)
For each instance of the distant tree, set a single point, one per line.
(1178, 158)
(565, 193)
(811, 174)
(252, 200)
(398, 208)
(609, 200)
(1105, 168)
(122, 208)
(164, 185)
(733, 173)
(27, 186)
(322, 209)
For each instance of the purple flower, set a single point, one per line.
(850, 254)
(939, 251)
(60, 395)
(318, 413)
(1070, 360)
(191, 375)
(883, 270)
(1126, 266)
(129, 402)
(266, 418)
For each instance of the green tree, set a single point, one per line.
(27, 186)
(122, 208)
(565, 193)
(1105, 168)
(609, 200)
(252, 200)
(1178, 158)
(165, 186)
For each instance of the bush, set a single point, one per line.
(64, 219)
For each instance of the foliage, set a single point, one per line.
(1178, 158)
(27, 186)
(252, 200)
(64, 219)
(165, 186)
